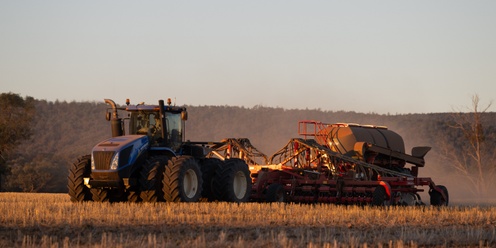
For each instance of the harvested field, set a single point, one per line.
(51, 220)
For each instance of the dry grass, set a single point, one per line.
(51, 220)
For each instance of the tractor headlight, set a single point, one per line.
(115, 162)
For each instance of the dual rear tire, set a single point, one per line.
(232, 181)
(182, 181)
(174, 180)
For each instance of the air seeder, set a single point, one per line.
(337, 163)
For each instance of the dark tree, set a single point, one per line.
(15, 125)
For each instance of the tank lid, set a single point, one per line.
(356, 125)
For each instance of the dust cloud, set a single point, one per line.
(270, 129)
(461, 191)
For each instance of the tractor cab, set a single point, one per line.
(143, 122)
(163, 124)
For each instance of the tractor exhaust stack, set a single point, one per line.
(115, 121)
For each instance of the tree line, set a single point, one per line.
(54, 134)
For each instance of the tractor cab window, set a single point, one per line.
(174, 130)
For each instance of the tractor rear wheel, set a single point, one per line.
(437, 198)
(182, 180)
(208, 168)
(151, 179)
(275, 193)
(79, 170)
(232, 181)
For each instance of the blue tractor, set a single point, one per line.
(153, 163)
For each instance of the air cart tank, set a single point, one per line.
(343, 137)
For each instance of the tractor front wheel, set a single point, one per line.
(151, 179)
(133, 196)
(100, 195)
(79, 170)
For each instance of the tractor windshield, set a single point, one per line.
(145, 123)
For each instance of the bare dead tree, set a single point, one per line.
(475, 162)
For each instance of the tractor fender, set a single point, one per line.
(164, 151)
(387, 187)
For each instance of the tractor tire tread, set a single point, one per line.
(151, 179)
(78, 192)
(209, 167)
(224, 178)
(173, 176)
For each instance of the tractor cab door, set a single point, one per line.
(174, 131)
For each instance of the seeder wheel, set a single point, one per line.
(379, 196)
(437, 198)
(275, 193)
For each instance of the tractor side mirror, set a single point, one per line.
(108, 116)
(184, 115)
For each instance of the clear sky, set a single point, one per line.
(364, 56)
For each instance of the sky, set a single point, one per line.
(393, 57)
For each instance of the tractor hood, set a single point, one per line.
(119, 152)
(120, 142)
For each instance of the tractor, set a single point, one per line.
(154, 163)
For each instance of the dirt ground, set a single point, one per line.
(51, 220)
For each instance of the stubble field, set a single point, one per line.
(51, 220)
